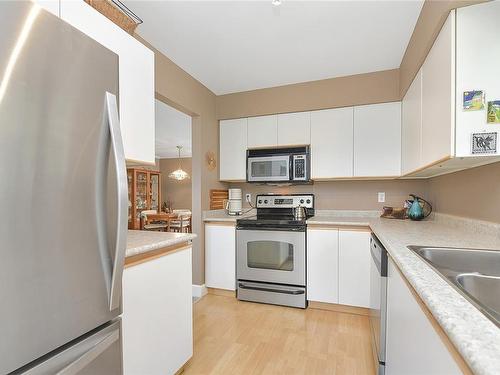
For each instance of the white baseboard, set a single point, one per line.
(199, 290)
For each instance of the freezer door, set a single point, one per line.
(63, 188)
(98, 353)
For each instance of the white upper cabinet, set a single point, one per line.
(477, 65)
(233, 149)
(377, 140)
(136, 78)
(438, 100)
(411, 126)
(323, 265)
(294, 129)
(354, 268)
(332, 143)
(51, 5)
(263, 131)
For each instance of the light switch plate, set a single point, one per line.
(381, 197)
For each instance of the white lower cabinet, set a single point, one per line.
(413, 346)
(322, 265)
(157, 315)
(220, 256)
(338, 266)
(354, 268)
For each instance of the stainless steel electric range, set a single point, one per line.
(271, 251)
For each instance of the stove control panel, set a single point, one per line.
(285, 201)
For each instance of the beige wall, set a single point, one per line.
(178, 89)
(377, 87)
(429, 23)
(347, 195)
(178, 192)
(473, 193)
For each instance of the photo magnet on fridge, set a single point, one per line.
(493, 116)
(484, 143)
(473, 100)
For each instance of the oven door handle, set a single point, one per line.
(275, 290)
(272, 229)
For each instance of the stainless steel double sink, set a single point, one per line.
(474, 272)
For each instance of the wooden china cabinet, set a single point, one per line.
(144, 193)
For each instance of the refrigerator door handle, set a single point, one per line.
(95, 351)
(118, 156)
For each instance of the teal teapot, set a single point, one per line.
(419, 208)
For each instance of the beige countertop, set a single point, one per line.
(221, 216)
(476, 338)
(141, 241)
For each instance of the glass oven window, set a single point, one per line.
(267, 168)
(271, 255)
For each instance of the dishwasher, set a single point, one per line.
(378, 299)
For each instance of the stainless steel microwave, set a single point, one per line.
(286, 165)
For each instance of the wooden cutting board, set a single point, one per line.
(218, 198)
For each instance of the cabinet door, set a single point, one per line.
(354, 268)
(413, 347)
(263, 131)
(332, 143)
(377, 140)
(137, 100)
(136, 78)
(157, 315)
(438, 99)
(411, 126)
(322, 265)
(233, 150)
(477, 57)
(294, 129)
(50, 5)
(220, 256)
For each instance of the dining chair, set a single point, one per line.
(152, 226)
(183, 221)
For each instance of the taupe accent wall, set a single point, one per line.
(369, 88)
(178, 89)
(429, 23)
(473, 193)
(179, 193)
(347, 195)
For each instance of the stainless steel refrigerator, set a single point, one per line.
(63, 198)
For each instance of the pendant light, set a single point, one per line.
(179, 174)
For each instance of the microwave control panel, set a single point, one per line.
(299, 168)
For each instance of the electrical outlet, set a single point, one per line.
(248, 197)
(381, 197)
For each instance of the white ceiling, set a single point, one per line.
(233, 46)
(173, 128)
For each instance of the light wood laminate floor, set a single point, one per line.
(234, 337)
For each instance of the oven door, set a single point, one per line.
(273, 256)
(268, 168)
